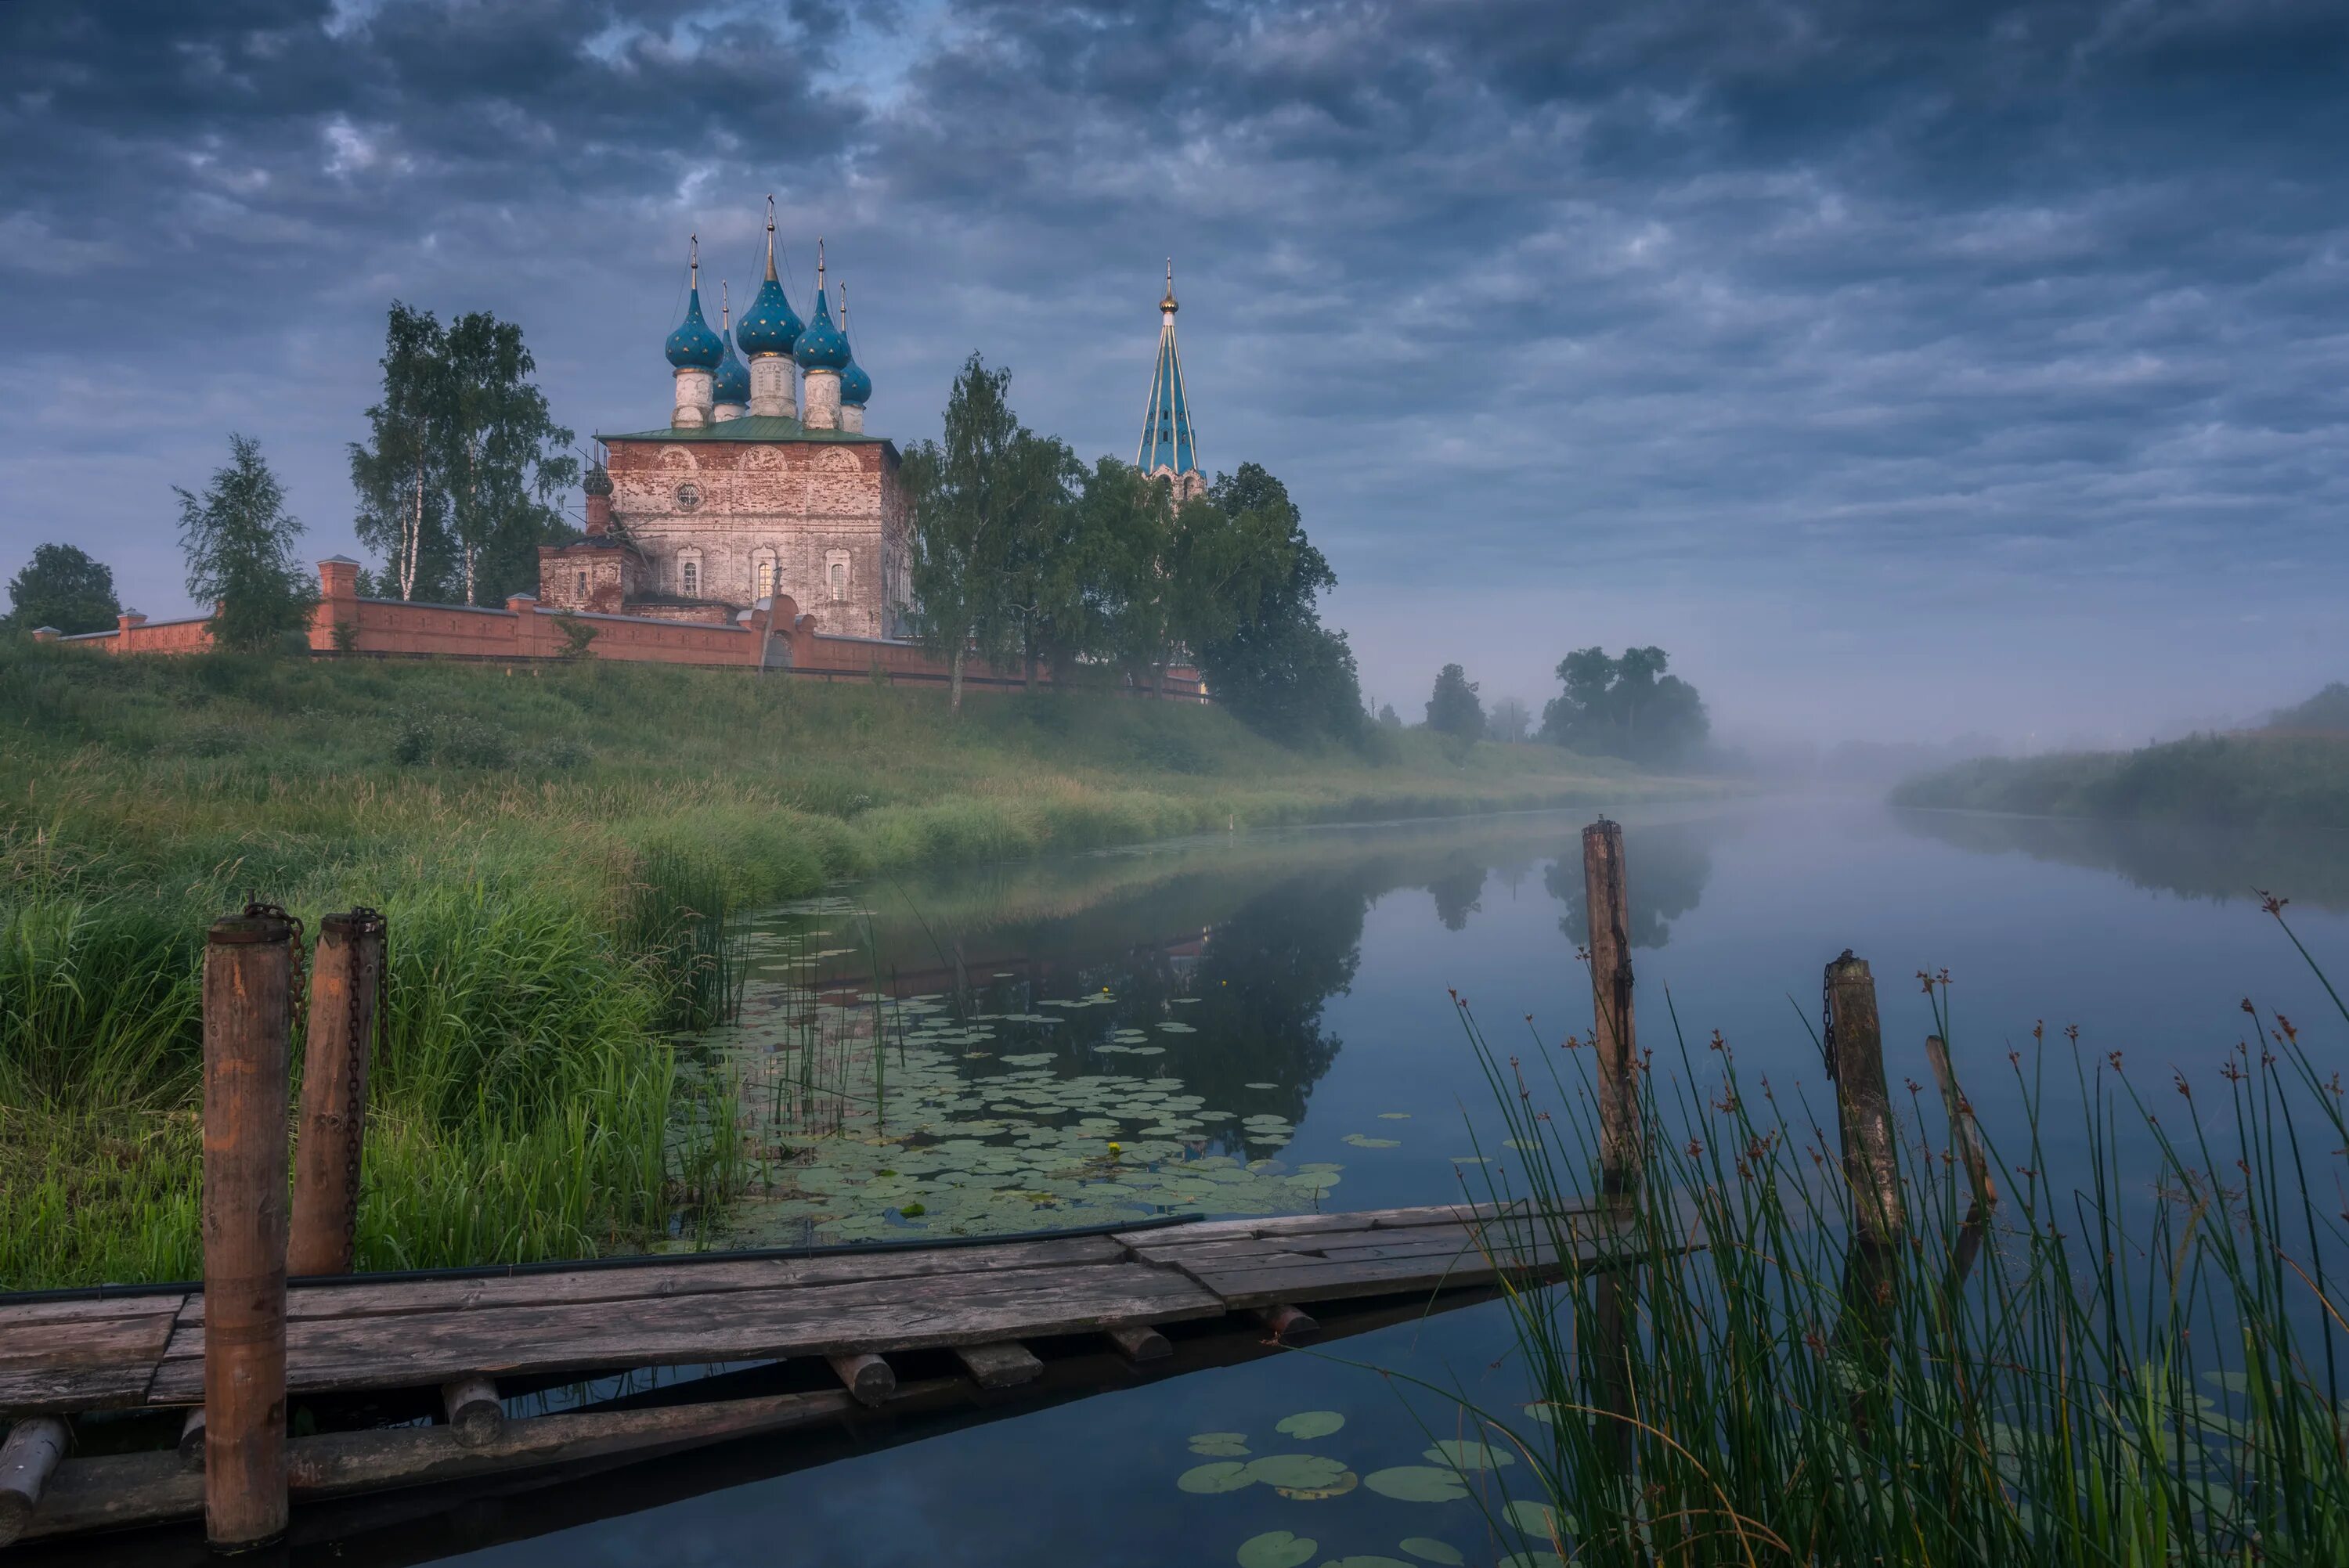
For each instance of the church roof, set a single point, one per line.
(751, 428)
(1168, 440)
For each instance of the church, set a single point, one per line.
(765, 483)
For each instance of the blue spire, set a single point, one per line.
(733, 381)
(855, 387)
(1167, 438)
(821, 345)
(693, 347)
(769, 325)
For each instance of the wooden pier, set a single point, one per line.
(995, 1309)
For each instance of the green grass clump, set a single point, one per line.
(2149, 1371)
(557, 850)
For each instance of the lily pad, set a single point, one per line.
(1360, 1141)
(1365, 1562)
(1276, 1549)
(1470, 1455)
(1534, 1518)
(1395, 1116)
(1224, 1475)
(1307, 1425)
(1416, 1484)
(1545, 1412)
(1300, 1472)
(1428, 1549)
(1532, 1560)
(1219, 1445)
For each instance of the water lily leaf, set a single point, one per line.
(1307, 1425)
(1533, 1518)
(1428, 1549)
(1470, 1455)
(1395, 1116)
(1416, 1484)
(1300, 1472)
(1545, 1412)
(1219, 1445)
(1224, 1475)
(1532, 1560)
(1360, 1141)
(1260, 1085)
(1365, 1562)
(1276, 1549)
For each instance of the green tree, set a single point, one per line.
(1452, 709)
(1275, 666)
(501, 459)
(239, 542)
(1508, 720)
(1627, 706)
(403, 510)
(62, 587)
(976, 496)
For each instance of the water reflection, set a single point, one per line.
(2195, 861)
(1667, 864)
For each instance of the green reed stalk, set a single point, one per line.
(2142, 1371)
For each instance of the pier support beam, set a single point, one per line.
(27, 1458)
(476, 1414)
(868, 1378)
(248, 1003)
(346, 981)
(1855, 1046)
(1613, 1033)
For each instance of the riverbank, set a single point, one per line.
(2254, 780)
(553, 848)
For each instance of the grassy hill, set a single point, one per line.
(555, 848)
(2292, 775)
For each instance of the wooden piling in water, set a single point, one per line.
(1612, 1032)
(248, 1003)
(345, 982)
(1855, 1046)
(476, 1414)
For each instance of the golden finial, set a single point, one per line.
(725, 309)
(771, 234)
(819, 266)
(1168, 303)
(844, 309)
(693, 261)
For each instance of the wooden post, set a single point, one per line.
(1288, 1325)
(345, 979)
(1139, 1342)
(248, 1001)
(1610, 993)
(1863, 1105)
(191, 1439)
(867, 1376)
(30, 1454)
(475, 1413)
(1966, 1133)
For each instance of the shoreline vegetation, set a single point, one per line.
(557, 851)
(2292, 774)
(2147, 1370)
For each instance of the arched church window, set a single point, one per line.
(689, 578)
(766, 580)
(839, 580)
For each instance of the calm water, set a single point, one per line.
(1314, 1058)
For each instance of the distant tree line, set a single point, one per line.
(1024, 556)
(1626, 706)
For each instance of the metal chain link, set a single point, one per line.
(1826, 1015)
(298, 1001)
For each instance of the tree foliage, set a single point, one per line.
(1452, 709)
(1626, 706)
(458, 482)
(1507, 720)
(1277, 667)
(64, 588)
(238, 539)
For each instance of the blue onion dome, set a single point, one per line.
(855, 387)
(822, 345)
(693, 347)
(769, 325)
(733, 381)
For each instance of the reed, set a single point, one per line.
(2144, 1366)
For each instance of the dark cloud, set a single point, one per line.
(1675, 320)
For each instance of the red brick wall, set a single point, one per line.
(522, 630)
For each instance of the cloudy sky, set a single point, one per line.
(1902, 368)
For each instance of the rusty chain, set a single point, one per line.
(364, 922)
(1827, 1014)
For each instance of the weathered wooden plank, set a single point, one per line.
(81, 1365)
(1003, 1364)
(1211, 1230)
(356, 1296)
(121, 1490)
(28, 1455)
(1139, 1342)
(1316, 1279)
(16, 1315)
(873, 1316)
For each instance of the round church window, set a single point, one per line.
(689, 495)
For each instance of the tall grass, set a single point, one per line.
(2144, 1366)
